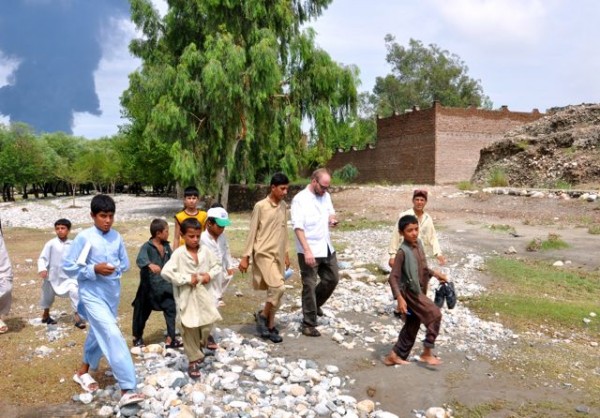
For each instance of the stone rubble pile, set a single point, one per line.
(562, 147)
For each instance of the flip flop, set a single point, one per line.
(86, 382)
(129, 398)
(3, 327)
(80, 324)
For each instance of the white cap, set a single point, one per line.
(220, 215)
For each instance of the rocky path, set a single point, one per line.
(339, 374)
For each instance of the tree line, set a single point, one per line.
(230, 92)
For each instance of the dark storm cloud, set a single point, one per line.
(58, 45)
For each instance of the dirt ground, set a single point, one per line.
(464, 220)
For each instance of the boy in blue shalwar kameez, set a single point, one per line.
(97, 258)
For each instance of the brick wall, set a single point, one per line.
(432, 146)
(462, 133)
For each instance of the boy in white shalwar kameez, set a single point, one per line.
(190, 269)
(55, 281)
(6, 284)
(97, 258)
(213, 237)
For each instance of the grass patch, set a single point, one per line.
(562, 185)
(529, 294)
(501, 228)
(465, 185)
(554, 242)
(594, 229)
(497, 178)
(359, 224)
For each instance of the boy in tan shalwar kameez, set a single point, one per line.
(268, 244)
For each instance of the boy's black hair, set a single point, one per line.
(191, 191)
(102, 203)
(64, 222)
(279, 179)
(407, 220)
(189, 223)
(157, 225)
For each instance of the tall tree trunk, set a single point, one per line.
(25, 195)
(73, 189)
(223, 174)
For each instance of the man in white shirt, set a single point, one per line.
(312, 216)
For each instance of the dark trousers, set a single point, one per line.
(143, 305)
(318, 283)
(425, 311)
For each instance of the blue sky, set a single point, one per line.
(527, 53)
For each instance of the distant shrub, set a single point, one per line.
(347, 173)
(497, 178)
(594, 229)
(465, 185)
(554, 242)
(562, 184)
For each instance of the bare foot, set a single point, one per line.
(431, 360)
(392, 359)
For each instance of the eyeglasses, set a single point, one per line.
(324, 188)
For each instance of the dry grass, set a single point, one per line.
(31, 380)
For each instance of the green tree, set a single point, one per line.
(24, 158)
(421, 75)
(69, 167)
(228, 84)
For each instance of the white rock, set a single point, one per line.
(593, 314)
(297, 390)
(86, 398)
(262, 375)
(366, 406)
(105, 411)
(198, 397)
(334, 369)
(337, 337)
(436, 412)
(558, 263)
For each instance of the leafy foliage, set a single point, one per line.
(225, 88)
(347, 173)
(421, 75)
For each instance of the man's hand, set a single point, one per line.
(154, 268)
(104, 269)
(43, 274)
(230, 272)
(392, 261)
(309, 258)
(287, 261)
